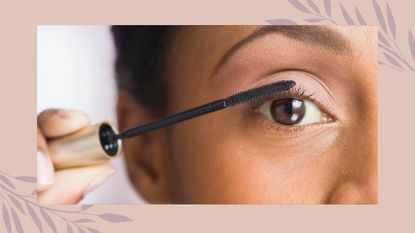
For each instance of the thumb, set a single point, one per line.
(72, 184)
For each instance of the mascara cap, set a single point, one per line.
(91, 145)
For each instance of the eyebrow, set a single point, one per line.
(313, 35)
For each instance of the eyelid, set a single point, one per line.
(317, 88)
(295, 92)
(298, 92)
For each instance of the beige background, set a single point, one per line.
(396, 113)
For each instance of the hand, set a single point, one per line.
(70, 185)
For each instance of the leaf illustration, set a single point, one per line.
(7, 181)
(84, 220)
(6, 219)
(29, 179)
(41, 217)
(85, 207)
(34, 216)
(383, 39)
(93, 230)
(16, 203)
(411, 43)
(359, 17)
(380, 17)
(114, 217)
(69, 229)
(48, 220)
(392, 60)
(346, 16)
(299, 6)
(327, 7)
(313, 20)
(313, 6)
(391, 20)
(16, 221)
(281, 22)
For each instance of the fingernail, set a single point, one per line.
(66, 113)
(99, 180)
(44, 170)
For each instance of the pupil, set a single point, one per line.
(288, 111)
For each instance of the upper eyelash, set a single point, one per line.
(295, 92)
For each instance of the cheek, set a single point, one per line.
(216, 162)
(292, 171)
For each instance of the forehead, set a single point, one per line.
(200, 47)
(195, 51)
(206, 44)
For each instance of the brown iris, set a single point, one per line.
(288, 111)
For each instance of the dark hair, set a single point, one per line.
(140, 63)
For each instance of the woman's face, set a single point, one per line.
(315, 144)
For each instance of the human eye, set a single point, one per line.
(294, 108)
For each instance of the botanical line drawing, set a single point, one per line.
(390, 52)
(14, 204)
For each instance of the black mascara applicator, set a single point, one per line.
(236, 99)
(100, 142)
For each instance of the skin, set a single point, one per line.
(239, 155)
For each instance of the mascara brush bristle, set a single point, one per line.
(259, 92)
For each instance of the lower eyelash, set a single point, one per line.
(284, 129)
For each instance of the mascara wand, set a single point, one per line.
(101, 142)
(233, 100)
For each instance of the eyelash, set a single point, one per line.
(296, 92)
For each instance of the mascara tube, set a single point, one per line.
(91, 145)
